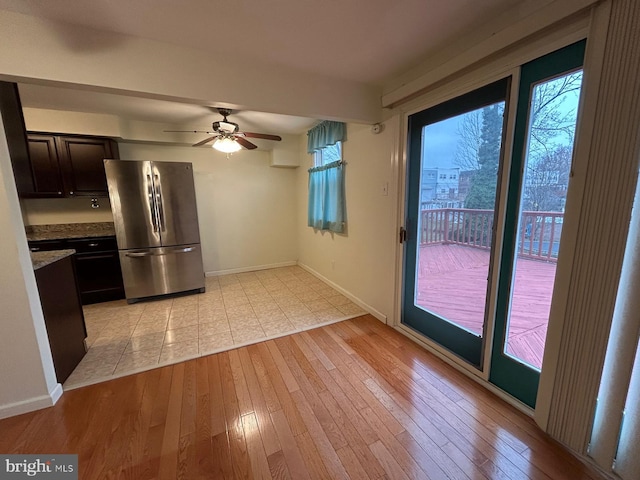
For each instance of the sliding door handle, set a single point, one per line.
(403, 235)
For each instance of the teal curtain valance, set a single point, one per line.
(326, 133)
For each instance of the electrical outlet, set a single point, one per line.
(333, 264)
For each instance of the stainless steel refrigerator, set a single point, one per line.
(156, 223)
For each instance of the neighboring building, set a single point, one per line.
(428, 185)
(439, 188)
(447, 183)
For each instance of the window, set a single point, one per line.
(326, 179)
(443, 176)
(452, 177)
(328, 154)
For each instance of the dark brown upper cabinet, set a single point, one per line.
(68, 165)
(49, 165)
(45, 173)
(81, 162)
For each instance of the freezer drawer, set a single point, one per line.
(157, 271)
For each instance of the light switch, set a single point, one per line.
(385, 189)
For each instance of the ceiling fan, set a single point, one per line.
(226, 135)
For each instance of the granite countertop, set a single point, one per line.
(42, 259)
(69, 230)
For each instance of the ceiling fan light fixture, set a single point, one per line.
(226, 145)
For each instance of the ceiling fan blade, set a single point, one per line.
(264, 136)
(245, 143)
(206, 140)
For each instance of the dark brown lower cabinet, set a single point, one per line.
(99, 276)
(97, 266)
(62, 315)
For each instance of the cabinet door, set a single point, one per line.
(82, 164)
(63, 315)
(45, 167)
(99, 277)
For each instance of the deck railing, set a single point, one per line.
(539, 235)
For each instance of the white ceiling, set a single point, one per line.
(367, 41)
(192, 117)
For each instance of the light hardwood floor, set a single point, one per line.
(350, 400)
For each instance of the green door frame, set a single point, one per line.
(507, 373)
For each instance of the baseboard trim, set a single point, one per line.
(56, 393)
(31, 404)
(230, 271)
(379, 315)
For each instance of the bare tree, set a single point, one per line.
(469, 133)
(546, 181)
(552, 120)
(549, 120)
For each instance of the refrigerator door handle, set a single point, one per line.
(159, 202)
(152, 207)
(183, 250)
(139, 254)
(159, 253)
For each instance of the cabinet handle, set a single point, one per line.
(94, 244)
(70, 193)
(35, 249)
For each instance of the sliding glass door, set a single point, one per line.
(455, 162)
(546, 118)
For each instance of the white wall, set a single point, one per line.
(246, 209)
(59, 121)
(363, 259)
(45, 211)
(27, 377)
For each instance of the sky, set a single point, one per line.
(440, 140)
(440, 143)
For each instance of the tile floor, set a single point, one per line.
(235, 310)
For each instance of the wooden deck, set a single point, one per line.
(452, 282)
(354, 400)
